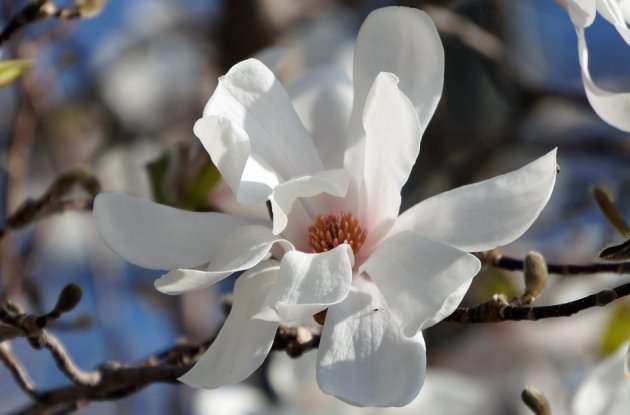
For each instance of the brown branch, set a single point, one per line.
(470, 34)
(17, 371)
(50, 203)
(513, 264)
(36, 11)
(65, 362)
(114, 381)
(498, 309)
(32, 12)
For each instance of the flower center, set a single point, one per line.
(329, 231)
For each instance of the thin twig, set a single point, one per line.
(470, 34)
(497, 309)
(29, 14)
(514, 264)
(50, 203)
(17, 371)
(35, 11)
(66, 364)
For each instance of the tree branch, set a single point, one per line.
(50, 202)
(17, 371)
(498, 260)
(498, 309)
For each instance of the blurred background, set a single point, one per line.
(120, 92)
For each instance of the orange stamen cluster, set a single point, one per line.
(329, 231)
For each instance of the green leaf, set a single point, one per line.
(157, 171)
(10, 70)
(617, 331)
(491, 281)
(199, 186)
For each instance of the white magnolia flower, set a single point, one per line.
(336, 242)
(612, 107)
(607, 389)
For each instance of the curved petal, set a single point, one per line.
(405, 42)
(307, 284)
(417, 276)
(248, 175)
(612, 107)
(606, 391)
(243, 342)
(323, 100)
(363, 357)
(160, 237)
(582, 12)
(392, 145)
(180, 281)
(332, 182)
(251, 97)
(241, 250)
(611, 11)
(487, 214)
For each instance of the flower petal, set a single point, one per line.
(487, 214)
(612, 107)
(243, 343)
(392, 145)
(332, 182)
(323, 100)
(250, 177)
(417, 276)
(582, 12)
(251, 97)
(180, 281)
(160, 237)
(307, 284)
(606, 391)
(241, 250)
(611, 11)
(363, 357)
(405, 42)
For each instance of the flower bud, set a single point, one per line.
(536, 401)
(90, 8)
(535, 271)
(68, 298)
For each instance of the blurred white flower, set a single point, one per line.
(607, 389)
(232, 400)
(337, 241)
(612, 107)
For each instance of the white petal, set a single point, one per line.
(405, 42)
(323, 100)
(611, 11)
(332, 182)
(392, 145)
(417, 276)
(487, 214)
(606, 391)
(180, 281)
(612, 107)
(241, 250)
(307, 284)
(582, 12)
(363, 357)
(248, 174)
(243, 343)
(251, 97)
(160, 237)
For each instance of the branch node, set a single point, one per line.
(605, 297)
